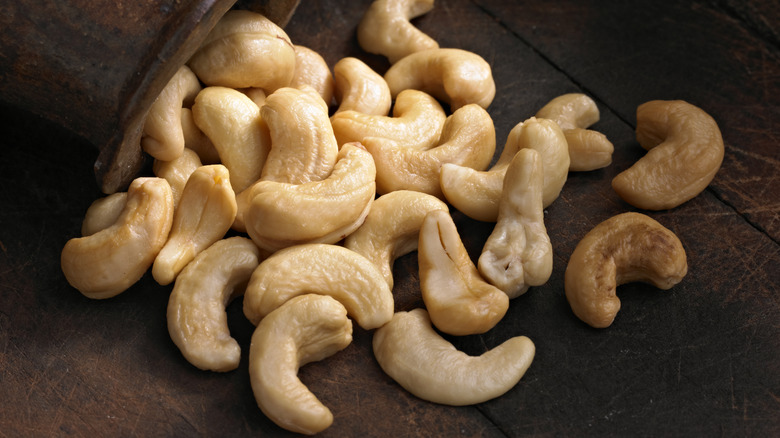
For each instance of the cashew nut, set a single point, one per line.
(458, 300)
(177, 171)
(245, 49)
(312, 70)
(392, 228)
(320, 269)
(103, 212)
(411, 352)
(108, 262)
(574, 112)
(196, 141)
(468, 138)
(518, 254)
(625, 248)
(455, 76)
(416, 122)
(205, 213)
(197, 322)
(685, 151)
(385, 28)
(306, 329)
(359, 88)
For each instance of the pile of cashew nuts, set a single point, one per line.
(266, 189)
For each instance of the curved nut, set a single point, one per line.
(417, 121)
(233, 123)
(320, 269)
(303, 147)
(306, 329)
(197, 322)
(468, 139)
(411, 352)
(574, 112)
(459, 301)
(685, 151)
(392, 228)
(245, 49)
(162, 136)
(108, 262)
(311, 69)
(385, 28)
(205, 213)
(624, 248)
(359, 88)
(518, 253)
(177, 172)
(281, 214)
(103, 212)
(196, 141)
(455, 76)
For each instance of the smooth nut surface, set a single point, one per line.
(312, 70)
(177, 171)
(385, 28)
(359, 88)
(103, 212)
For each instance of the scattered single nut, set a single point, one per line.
(459, 301)
(392, 228)
(197, 322)
(205, 213)
(518, 253)
(305, 329)
(321, 269)
(468, 138)
(359, 88)
(245, 49)
(385, 28)
(177, 171)
(196, 141)
(625, 248)
(685, 151)
(103, 212)
(574, 112)
(413, 354)
(455, 76)
(312, 70)
(108, 262)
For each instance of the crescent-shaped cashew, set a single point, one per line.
(311, 69)
(177, 171)
(417, 122)
(281, 214)
(321, 269)
(685, 151)
(392, 228)
(205, 213)
(574, 112)
(385, 28)
(455, 76)
(459, 301)
(359, 88)
(518, 253)
(625, 248)
(468, 138)
(413, 354)
(197, 322)
(108, 262)
(196, 141)
(103, 212)
(306, 329)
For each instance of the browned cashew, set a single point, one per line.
(385, 28)
(359, 88)
(624, 248)
(685, 151)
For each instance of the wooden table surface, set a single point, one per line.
(702, 359)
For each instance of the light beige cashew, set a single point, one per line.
(392, 228)
(196, 141)
(518, 253)
(311, 69)
(304, 148)
(574, 112)
(413, 354)
(245, 49)
(385, 28)
(323, 269)
(108, 262)
(459, 301)
(455, 76)
(477, 193)
(468, 138)
(625, 248)
(306, 329)
(233, 123)
(103, 212)
(359, 88)
(205, 213)
(197, 322)
(281, 214)
(417, 121)
(177, 171)
(257, 95)
(685, 151)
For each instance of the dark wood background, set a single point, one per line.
(702, 359)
